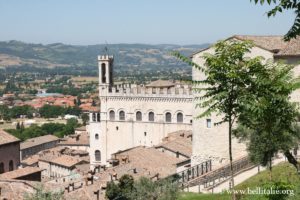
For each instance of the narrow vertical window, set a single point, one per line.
(208, 123)
(11, 165)
(97, 155)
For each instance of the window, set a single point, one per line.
(103, 71)
(151, 116)
(112, 115)
(1, 168)
(208, 123)
(97, 136)
(94, 117)
(145, 133)
(168, 117)
(138, 116)
(97, 155)
(11, 166)
(122, 115)
(98, 117)
(179, 117)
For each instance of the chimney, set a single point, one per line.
(134, 170)
(97, 193)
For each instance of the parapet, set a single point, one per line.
(105, 57)
(183, 91)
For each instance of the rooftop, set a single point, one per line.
(179, 141)
(67, 161)
(274, 44)
(20, 172)
(6, 138)
(38, 141)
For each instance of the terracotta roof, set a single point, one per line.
(160, 84)
(66, 161)
(15, 189)
(274, 44)
(270, 43)
(82, 128)
(179, 141)
(6, 138)
(292, 49)
(20, 172)
(38, 141)
(76, 140)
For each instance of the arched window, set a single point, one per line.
(179, 117)
(151, 116)
(97, 155)
(1, 168)
(111, 115)
(97, 136)
(98, 117)
(168, 117)
(139, 116)
(11, 165)
(103, 71)
(122, 115)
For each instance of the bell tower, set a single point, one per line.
(105, 65)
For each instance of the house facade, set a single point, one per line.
(211, 142)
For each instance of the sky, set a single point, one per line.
(86, 22)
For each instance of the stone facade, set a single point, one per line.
(211, 142)
(132, 115)
(9, 152)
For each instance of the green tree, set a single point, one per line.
(85, 118)
(42, 194)
(225, 87)
(269, 120)
(112, 191)
(285, 5)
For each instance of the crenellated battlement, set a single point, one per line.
(104, 57)
(141, 90)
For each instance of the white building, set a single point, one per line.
(132, 116)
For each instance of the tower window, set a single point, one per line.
(179, 117)
(112, 115)
(94, 117)
(208, 123)
(145, 133)
(97, 136)
(97, 155)
(151, 116)
(122, 115)
(103, 72)
(138, 116)
(98, 117)
(168, 117)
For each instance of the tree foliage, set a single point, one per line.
(269, 120)
(285, 5)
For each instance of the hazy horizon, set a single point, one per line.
(136, 22)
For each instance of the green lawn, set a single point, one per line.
(282, 172)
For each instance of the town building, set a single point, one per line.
(210, 141)
(135, 115)
(37, 144)
(9, 152)
(27, 173)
